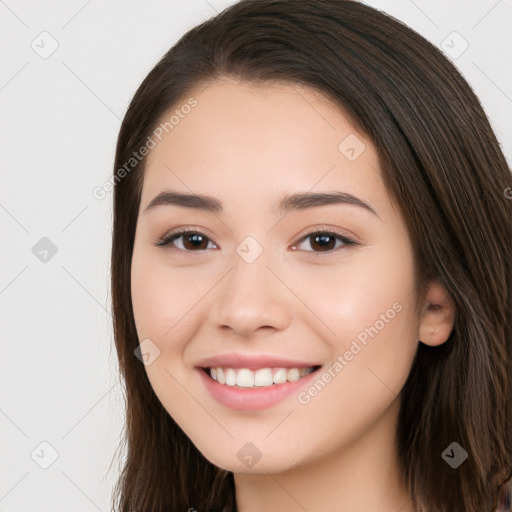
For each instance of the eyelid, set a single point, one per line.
(325, 228)
(184, 230)
(348, 241)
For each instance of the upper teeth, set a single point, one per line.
(246, 378)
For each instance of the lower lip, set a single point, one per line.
(255, 398)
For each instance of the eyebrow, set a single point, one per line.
(294, 202)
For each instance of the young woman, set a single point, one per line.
(311, 272)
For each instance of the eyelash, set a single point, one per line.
(174, 235)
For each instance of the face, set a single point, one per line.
(319, 283)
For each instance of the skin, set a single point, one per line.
(248, 145)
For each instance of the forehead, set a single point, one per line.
(249, 139)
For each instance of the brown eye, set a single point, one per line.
(193, 241)
(325, 242)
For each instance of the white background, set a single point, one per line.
(59, 119)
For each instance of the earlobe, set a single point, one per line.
(438, 315)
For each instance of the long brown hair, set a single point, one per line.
(445, 170)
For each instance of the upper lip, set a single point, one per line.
(252, 362)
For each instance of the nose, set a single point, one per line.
(251, 298)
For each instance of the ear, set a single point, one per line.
(437, 315)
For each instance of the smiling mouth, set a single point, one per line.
(263, 377)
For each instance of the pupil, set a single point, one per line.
(324, 240)
(195, 239)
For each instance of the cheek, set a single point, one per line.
(149, 296)
(372, 287)
(370, 309)
(160, 295)
(160, 301)
(364, 310)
